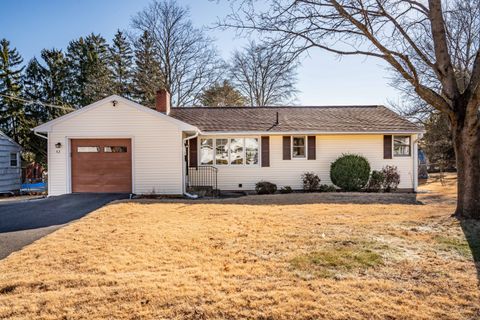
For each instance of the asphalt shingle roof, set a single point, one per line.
(295, 119)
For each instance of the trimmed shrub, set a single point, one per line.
(286, 189)
(376, 181)
(392, 178)
(265, 187)
(310, 181)
(350, 172)
(326, 188)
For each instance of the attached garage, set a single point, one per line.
(101, 165)
(115, 146)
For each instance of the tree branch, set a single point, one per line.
(444, 62)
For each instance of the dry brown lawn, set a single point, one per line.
(296, 256)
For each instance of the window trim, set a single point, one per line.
(214, 141)
(16, 159)
(409, 147)
(305, 145)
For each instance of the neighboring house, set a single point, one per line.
(116, 145)
(33, 172)
(10, 166)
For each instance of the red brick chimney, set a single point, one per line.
(162, 101)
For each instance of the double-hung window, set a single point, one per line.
(206, 151)
(221, 151)
(402, 146)
(236, 151)
(299, 147)
(13, 159)
(251, 151)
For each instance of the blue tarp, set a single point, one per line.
(36, 186)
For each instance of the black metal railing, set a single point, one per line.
(203, 179)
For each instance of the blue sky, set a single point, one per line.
(31, 25)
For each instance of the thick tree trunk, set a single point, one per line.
(467, 149)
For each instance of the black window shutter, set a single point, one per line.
(286, 148)
(311, 148)
(192, 148)
(265, 151)
(387, 147)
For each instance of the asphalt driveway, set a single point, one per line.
(23, 222)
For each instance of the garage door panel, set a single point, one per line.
(105, 167)
(101, 171)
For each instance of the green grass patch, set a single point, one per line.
(460, 246)
(340, 257)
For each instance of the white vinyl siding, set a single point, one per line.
(328, 148)
(156, 145)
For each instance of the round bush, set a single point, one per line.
(376, 181)
(350, 172)
(286, 189)
(265, 187)
(326, 188)
(310, 181)
(391, 178)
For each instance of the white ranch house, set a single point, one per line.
(116, 145)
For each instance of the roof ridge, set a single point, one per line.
(283, 107)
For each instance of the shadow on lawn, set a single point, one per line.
(471, 230)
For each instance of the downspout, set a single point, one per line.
(418, 137)
(184, 187)
(48, 155)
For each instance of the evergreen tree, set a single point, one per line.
(147, 74)
(12, 115)
(121, 65)
(77, 72)
(438, 142)
(222, 95)
(44, 82)
(90, 78)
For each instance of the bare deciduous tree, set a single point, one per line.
(432, 46)
(265, 75)
(188, 60)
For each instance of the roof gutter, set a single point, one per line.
(218, 133)
(39, 135)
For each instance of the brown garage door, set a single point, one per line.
(101, 165)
